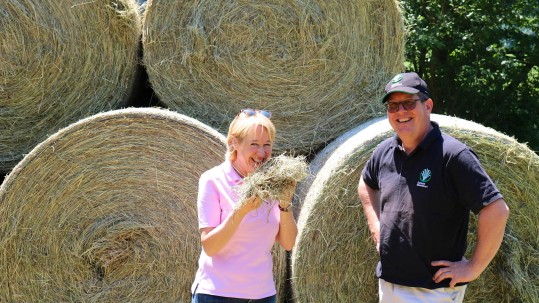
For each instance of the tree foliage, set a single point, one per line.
(480, 59)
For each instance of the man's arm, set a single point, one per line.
(370, 199)
(490, 229)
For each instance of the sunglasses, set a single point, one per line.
(251, 112)
(393, 107)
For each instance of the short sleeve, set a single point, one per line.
(209, 208)
(370, 174)
(371, 171)
(474, 187)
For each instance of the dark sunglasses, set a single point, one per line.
(251, 112)
(393, 107)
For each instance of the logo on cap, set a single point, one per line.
(397, 78)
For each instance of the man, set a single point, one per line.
(417, 190)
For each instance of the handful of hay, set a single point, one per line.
(271, 178)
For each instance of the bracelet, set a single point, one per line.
(285, 209)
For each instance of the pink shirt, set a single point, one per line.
(244, 267)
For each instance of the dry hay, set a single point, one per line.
(105, 210)
(270, 179)
(61, 61)
(318, 65)
(334, 259)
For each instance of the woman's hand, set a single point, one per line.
(250, 204)
(285, 198)
(215, 238)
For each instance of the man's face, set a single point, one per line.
(409, 117)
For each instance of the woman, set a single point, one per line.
(235, 264)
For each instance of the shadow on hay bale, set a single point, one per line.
(105, 210)
(61, 61)
(334, 258)
(318, 65)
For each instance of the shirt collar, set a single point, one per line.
(432, 136)
(230, 172)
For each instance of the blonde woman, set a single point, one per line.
(235, 264)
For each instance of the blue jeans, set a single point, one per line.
(204, 298)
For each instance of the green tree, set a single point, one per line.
(481, 60)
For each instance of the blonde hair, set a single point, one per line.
(242, 125)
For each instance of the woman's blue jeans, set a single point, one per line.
(204, 298)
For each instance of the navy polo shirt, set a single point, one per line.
(425, 201)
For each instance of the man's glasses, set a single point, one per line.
(393, 107)
(251, 112)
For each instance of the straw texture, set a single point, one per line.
(270, 179)
(61, 61)
(334, 259)
(105, 210)
(318, 65)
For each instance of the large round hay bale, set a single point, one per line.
(318, 65)
(105, 210)
(334, 259)
(61, 61)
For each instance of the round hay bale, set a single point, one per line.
(61, 61)
(320, 159)
(105, 210)
(334, 259)
(318, 65)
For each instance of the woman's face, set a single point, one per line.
(253, 150)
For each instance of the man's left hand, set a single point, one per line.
(458, 272)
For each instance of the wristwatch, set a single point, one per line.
(285, 209)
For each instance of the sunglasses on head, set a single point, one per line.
(393, 107)
(251, 112)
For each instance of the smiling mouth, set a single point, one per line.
(404, 120)
(258, 163)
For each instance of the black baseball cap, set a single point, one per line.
(409, 83)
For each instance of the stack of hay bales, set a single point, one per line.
(318, 65)
(61, 61)
(105, 210)
(334, 258)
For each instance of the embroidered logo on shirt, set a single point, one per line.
(424, 178)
